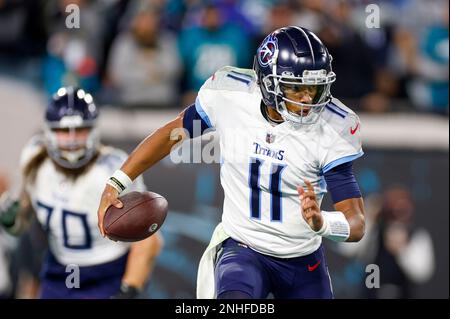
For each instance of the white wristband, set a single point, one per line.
(120, 181)
(335, 226)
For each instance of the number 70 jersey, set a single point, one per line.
(262, 165)
(67, 207)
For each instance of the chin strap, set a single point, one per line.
(267, 116)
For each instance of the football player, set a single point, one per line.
(297, 142)
(63, 173)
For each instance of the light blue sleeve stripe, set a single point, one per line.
(341, 160)
(202, 112)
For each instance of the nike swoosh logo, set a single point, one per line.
(313, 267)
(353, 131)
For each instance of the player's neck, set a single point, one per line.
(271, 114)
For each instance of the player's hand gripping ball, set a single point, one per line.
(142, 214)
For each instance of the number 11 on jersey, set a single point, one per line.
(274, 188)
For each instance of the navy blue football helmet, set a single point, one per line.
(294, 57)
(69, 110)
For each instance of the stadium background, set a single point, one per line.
(143, 62)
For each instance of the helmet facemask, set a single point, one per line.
(71, 142)
(308, 113)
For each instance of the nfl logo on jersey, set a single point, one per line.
(270, 138)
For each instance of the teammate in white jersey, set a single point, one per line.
(284, 142)
(64, 170)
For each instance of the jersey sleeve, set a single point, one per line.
(205, 107)
(217, 89)
(341, 182)
(193, 122)
(206, 103)
(344, 144)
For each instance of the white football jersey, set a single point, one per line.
(262, 164)
(67, 208)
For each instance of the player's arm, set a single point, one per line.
(152, 149)
(15, 214)
(159, 144)
(140, 264)
(347, 223)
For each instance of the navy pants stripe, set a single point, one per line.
(242, 269)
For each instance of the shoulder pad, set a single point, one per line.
(344, 124)
(111, 158)
(339, 116)
(232, 79)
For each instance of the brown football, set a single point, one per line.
(142, 214)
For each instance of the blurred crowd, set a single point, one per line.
(157, 53)
(401, 248)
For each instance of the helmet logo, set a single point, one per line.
(71, 121)
(267, 50)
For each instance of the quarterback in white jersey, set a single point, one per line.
(64, 170)
(284, 142)
(262, 164)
